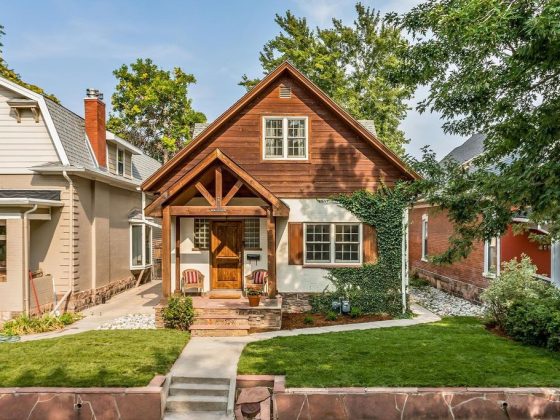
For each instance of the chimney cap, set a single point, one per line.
(92, 93)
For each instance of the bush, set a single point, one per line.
(525, 308)
(24, 324)
(179, 313)
(331, 316)
(355, 312)
(308, 320)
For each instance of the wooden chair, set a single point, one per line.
(192, 279)
(258, 280)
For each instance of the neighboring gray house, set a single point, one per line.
(70, 205)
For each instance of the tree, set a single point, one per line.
(151, 108)
(492, 66)
(352, 64)
(11, 75)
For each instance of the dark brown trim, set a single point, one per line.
(204, 211)
(177, 254)
(166, 252)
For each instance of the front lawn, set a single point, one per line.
(453, 352)
(95, 358)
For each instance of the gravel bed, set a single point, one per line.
(131, 322)
(443, 303)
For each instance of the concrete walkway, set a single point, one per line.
(140, 300)
(217, 357)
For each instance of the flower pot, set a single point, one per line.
(254, 300)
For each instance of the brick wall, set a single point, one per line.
(463, 278)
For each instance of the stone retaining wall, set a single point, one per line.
(83, 403)
(455, 287)
(296, 302)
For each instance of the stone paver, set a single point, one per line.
(140, 300)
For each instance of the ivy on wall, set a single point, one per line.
(373, 288)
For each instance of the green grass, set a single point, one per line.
(452, 352)
(94, 358)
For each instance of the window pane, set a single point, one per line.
(136, 245)
(273, 142)
(347, 243)
(201, 233)
(318, 243)
(492, 256)
(120, 161)
(3, 251)
(424, 238)
(252, 233)
(296, 138)
(148, 245)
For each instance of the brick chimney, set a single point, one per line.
(95, 124)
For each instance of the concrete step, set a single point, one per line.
(188, 403)
(197, 380)
(199, 389)
(210, 330)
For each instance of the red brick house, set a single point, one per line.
(430, 229)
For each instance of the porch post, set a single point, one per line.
(271, 242)
(166, 252)
(177, 254)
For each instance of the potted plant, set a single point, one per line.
(254, 297)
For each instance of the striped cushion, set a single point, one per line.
(191, 277)
(259, 277)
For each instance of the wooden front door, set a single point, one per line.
(227, 255)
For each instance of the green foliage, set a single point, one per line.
(415, 281)
(308, 320)
(525, 308)
(375, 288)
(492, 67)
(24, 324)
(355, 65)
(151, 108)
(12, 76)
(355, 312)
(252, 292)
(179, 312)
(331, 316)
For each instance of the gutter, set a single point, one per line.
(70, 235)
(26, 258)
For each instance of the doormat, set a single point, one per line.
(225, 295)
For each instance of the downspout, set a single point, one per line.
(404, 258)
(26, 259)
(70, 236)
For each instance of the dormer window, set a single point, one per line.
(120, 162)
(285, 138)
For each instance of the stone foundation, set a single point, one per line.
(296, 302)
(83, 403)
(159, 313)
(263, 319)
(455, 287)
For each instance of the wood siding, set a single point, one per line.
(23, 144)
(340, 160)
(112, 160)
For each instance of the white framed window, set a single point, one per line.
(201, 234)
(140, 245)
(492, 257)
(120, 161)
(285, 138)
(425, 237)
(252, 234)
(3, 251)
(333, 243)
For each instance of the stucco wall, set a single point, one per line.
(11, 291)
(297, 278)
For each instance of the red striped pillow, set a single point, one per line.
(259, 277)
(191, 277)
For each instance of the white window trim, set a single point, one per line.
(332, 262)
(485, 271)
(143, 246)
(117, 161)
(425, 233)
(285, 120)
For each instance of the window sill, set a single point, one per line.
(489, 275)
(329, 266)
(140, 267)
(200, 249)
(285, 160)
(424, 259)
(252, 249)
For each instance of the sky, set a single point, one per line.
(67, 46)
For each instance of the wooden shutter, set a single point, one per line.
(295, 243)
(369, 241)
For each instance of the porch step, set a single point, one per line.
(199, 389)
(199, 380)
(221, 319)
(187, 403)
(212, 330)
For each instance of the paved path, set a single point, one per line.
(217, 357)
(140, 300)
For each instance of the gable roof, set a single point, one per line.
(283, 68)
(467, 151)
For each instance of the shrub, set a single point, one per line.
(308, 320)
(179, 313)
(355, 312)
(525, 308)
(25, 324)
(331, 316)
